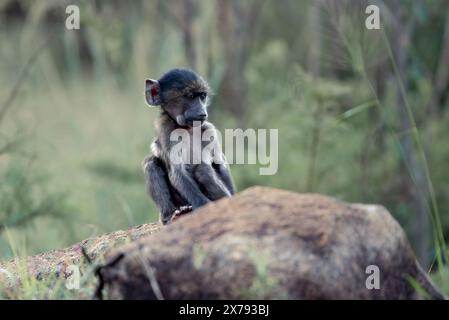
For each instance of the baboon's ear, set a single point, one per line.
(152, 92)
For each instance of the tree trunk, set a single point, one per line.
(188, 12)
(236, 25)
(183, 13)
(232, 87)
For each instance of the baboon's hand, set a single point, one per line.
(179, 212)
(184, 209)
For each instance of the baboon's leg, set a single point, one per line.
(158, 187)
(210, 182)
(224, 174)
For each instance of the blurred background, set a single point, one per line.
(363, 115)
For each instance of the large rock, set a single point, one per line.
(268, 243)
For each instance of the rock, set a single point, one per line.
(268, 243)
(56, 262)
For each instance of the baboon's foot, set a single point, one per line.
(180, 211)
(166, 217)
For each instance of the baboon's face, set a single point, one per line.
(182, 94)
(189, 108)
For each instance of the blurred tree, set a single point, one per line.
(182, 13)
(236, 22)
(413, 176)
(12, 11)
(441, 78)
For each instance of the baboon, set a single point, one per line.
(181, 186)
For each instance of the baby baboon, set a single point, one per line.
(176, 184)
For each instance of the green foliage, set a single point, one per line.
(21, 200)
(24, 192)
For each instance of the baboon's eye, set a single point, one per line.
(203, 95)
(189, 95)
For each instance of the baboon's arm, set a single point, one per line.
(211, 183)
(224, 174)
(186, 186)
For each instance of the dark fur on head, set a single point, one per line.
(181, 81)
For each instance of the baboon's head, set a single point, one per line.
(182, 94)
